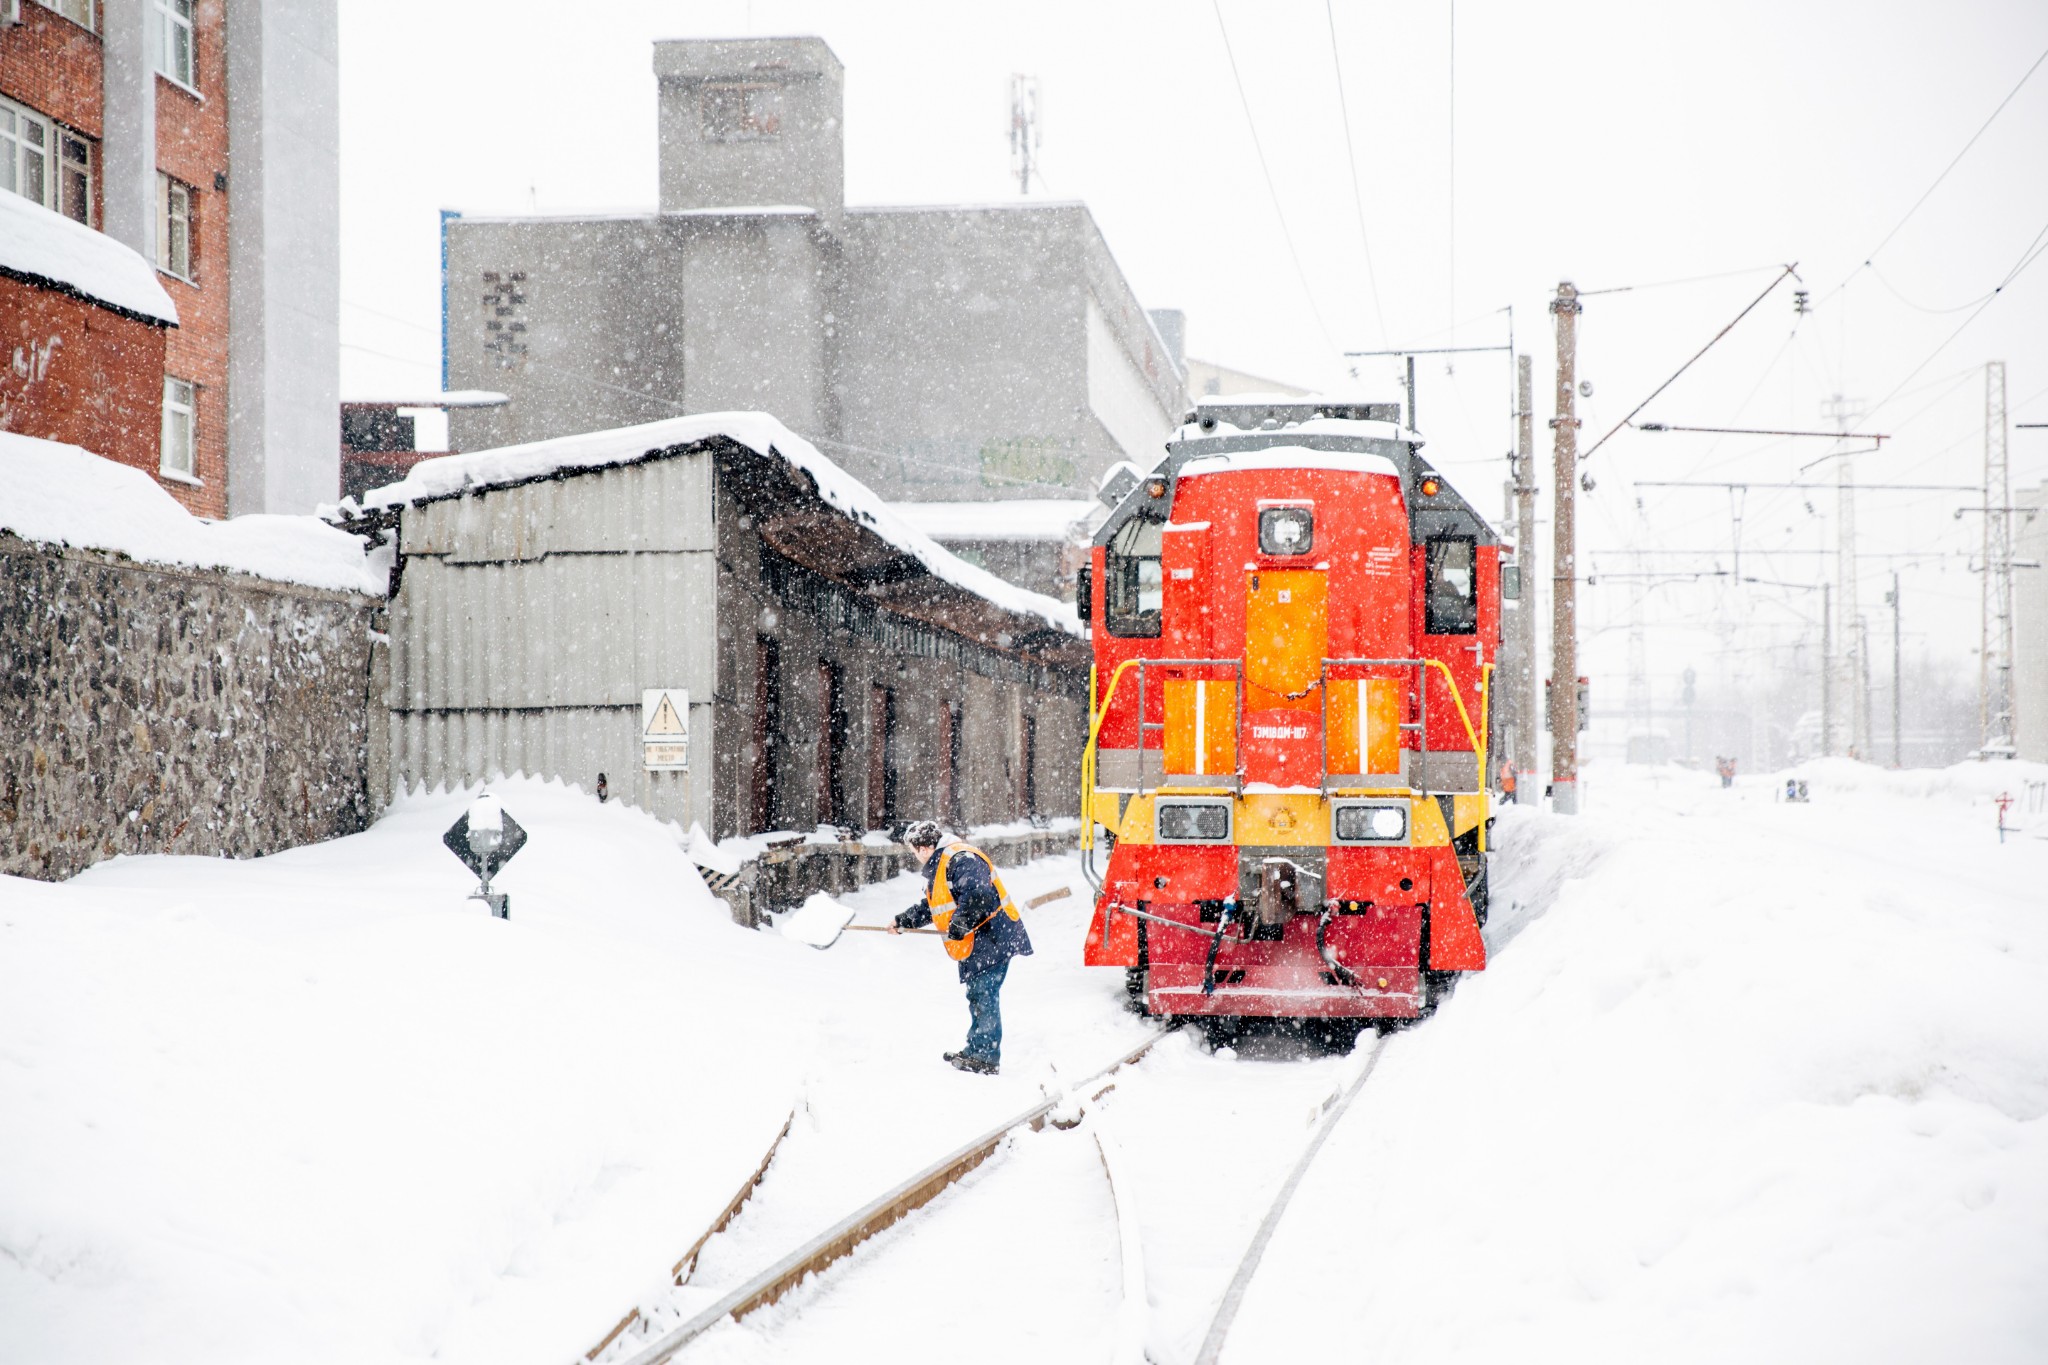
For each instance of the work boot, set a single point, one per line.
(974, 1065)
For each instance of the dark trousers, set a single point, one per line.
(985, 1013)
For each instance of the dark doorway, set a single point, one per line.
(833, 725)
(882, 765)
(1029, 785)
(767, 731)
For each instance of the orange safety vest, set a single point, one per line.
(940, 901)
(1507, 778)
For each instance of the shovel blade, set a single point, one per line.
(818, 921)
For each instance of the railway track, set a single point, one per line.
(851, 1235)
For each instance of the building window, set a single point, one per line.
(170, 39)
(742, 113)
(74, 176)
(77, 11)
(25, 146)
(173, 227)
(179, 397)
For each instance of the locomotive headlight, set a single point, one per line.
(1363, 823)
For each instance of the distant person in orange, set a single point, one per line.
(1726, 767)
(1507, 779)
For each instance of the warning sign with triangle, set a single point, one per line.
(665, 729)
(666, 721)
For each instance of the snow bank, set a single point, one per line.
(49, 247)
(1744, 1081)
(320, 1107)
(62, 494)
(446, 475)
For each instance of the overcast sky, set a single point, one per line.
(1608, 142)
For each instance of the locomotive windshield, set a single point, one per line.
(1451, 600)
(1133, 588)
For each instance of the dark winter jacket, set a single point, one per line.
(975, 899)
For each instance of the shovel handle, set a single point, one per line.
(1049, 897)
(885, 929)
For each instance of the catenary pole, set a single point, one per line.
(1525, 550)
(1564, 625)
(1827, 670)
(1897, 762)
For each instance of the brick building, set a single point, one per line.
(204, 135)
(83, 326)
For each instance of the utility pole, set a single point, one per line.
(1564, 626)
(1023, 128)
(1994, 677)
(1525, 550)
(1893, 598)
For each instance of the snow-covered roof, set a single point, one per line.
(48, 248)
(454, 398)
(1027, 519)
(61, 494)
(985, 206)
(745, 211)
(450, 475)
(1290, 457)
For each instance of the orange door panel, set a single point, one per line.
(1287, 630)
(1365, 725)
(1201, 727)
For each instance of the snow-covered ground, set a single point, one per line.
(1748, 1081)
(1744, 1081)
(318, 1106)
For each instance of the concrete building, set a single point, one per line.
(722, 625)
(1036, 543)
(204, 136)
(2030, 624)
(1207, 379)
(944, 353)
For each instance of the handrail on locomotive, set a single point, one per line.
(1097, 714)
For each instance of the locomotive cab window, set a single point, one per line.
(1451, 596)
(1286, 530)
(1133, 586)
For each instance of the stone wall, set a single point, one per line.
(146, 709)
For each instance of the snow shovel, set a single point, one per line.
(821, 920)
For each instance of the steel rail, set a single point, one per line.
(1233, 1297)
(1134, 1312)
(842, 1238)
(682, 1270)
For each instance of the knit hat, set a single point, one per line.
(923, 834)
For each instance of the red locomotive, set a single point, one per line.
(1295, 620)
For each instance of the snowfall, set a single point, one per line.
(1745, 1080)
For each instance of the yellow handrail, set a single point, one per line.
(1099, 714)
(1096, 717)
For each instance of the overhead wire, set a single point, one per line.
(2033, 252)
(1351, 160)
(1266, 170)
(1783, 275)
(1956, 160)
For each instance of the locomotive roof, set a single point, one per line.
(1308, 434)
